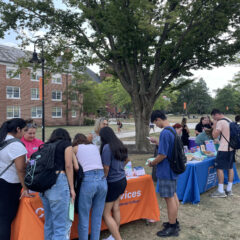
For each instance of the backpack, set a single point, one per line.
(178, 160)
(3, 145)
(234, 141)
(41, 170)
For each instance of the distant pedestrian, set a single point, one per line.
(225, 156)
(151, 126)
(237, 119)
(167, 179)
(185, 132)
(119, 124)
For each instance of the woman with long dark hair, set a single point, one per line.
(93, 189)
(185, 132)
(12, 172)
(56, 200)
(114, 157)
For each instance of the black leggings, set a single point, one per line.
(9, 201)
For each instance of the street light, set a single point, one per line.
(35, 60)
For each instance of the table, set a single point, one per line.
(198, 178)
(139, 201)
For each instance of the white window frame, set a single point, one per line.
(56, 92)
(12, 69)
(37, 94)
(13, 112)
(56, 108)
(74, 113)
(37, 76)
(9, 97)
(75, 94)
(36, 109)
(55, 79)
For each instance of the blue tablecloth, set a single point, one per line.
(198, 178)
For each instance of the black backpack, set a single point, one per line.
(178, 160)
(41, 170)
(234, 128)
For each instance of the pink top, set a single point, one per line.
(223, 127)
(31, 146)
(89, 157)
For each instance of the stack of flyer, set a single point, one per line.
(128, 169)
(139, 171)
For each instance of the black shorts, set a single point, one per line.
(115, 189)
(225, 160)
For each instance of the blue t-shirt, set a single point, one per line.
(116, 167)
(165, 147)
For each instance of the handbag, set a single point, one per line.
(78, 177)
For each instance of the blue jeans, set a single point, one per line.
(56, 202)
(92, 195)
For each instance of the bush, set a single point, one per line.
(88, 122)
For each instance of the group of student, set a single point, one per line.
(102, 157)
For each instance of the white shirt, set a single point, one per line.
(7, 155)
(89, 157)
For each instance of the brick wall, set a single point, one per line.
(26, 103)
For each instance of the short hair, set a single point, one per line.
(237, 118)
(177, 125)
(158, 114)
(216, 111)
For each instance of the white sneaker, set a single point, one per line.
(109, 238)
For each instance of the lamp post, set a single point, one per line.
(36, 60)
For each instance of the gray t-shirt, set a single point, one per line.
(116, 167)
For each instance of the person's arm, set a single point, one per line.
(75, 161)
(187, 129)
(69, 170)
(157, 160)
(126, 161)
(154, 140)
(216, 132)
(20, 165)
(106, 170)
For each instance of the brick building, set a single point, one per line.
(20, 97)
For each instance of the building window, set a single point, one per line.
(74, 113)
(13, 112)
(56, 95)
(74, 97)
(35, 76)
(57, 79)
(56, 112)
(12, 73)
(12, 92)
(35, 94)
(36, 112)
(74, 82)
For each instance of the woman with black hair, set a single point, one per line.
(114, 157)
(56, 200)
(12, 172)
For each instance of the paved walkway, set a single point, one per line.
(133, 133)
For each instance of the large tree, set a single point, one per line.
(146, 43)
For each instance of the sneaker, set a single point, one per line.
(218, 194)
(168, 232)
(229, 193)
(166, 224)
(109, 238)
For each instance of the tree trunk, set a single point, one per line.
(142, 114)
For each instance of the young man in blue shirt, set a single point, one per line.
(167, 179)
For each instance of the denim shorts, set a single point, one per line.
(167, 188)
(225, 160)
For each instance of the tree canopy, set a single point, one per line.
(146, 43)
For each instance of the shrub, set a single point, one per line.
(88, 122)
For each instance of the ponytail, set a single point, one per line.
(3, 131)
(11, 126)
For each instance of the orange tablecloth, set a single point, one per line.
(138, 201)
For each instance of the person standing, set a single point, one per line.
(114, 157)
(12, 178)
(56, 200)
(167, 179)
(225, 156)
(93, 189)
(31, 143)
(185, 132)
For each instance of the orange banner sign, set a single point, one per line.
(184, 105)
(139, 201)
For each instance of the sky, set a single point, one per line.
(215, 78)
